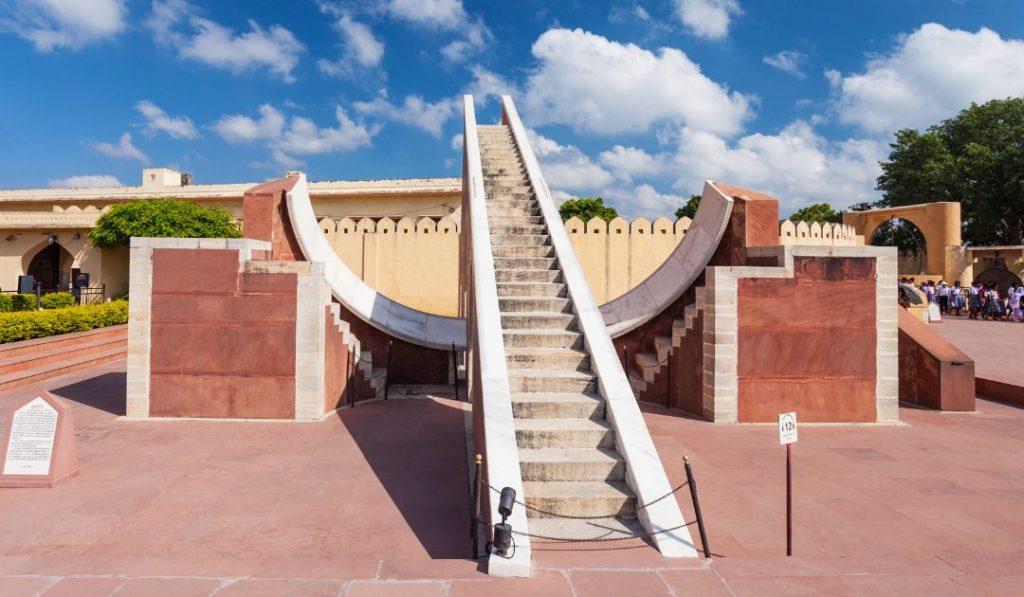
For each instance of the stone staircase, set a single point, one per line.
(567, 452)
(650, 365)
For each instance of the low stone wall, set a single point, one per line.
(933, 372)
(815, 233)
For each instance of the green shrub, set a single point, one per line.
(6, 303)
(57, 300)
(38, 324)
(23, 302)
(163, 218)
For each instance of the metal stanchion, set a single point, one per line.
(696, 508)
(474, 525)
(387, 373)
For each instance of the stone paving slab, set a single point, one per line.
(373, 502)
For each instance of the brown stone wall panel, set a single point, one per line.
(806, 352)
(219, 309)
(813, 399)
(933, 372)
(834, 269)
(818, 305)
(259, 349)
(213, 271)
(688, 360)
(262, 283)
(216, 396)
(762, 223)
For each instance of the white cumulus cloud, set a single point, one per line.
(443, 14)
(566, 168)
(52, 24)
(361, 48)
(85, 181)
(600, 86)
(628, 163)
(123, 149)
(709, 19)
(178, 127)
(413, 111)
(179, 24)
(288, 138)
(931, 74)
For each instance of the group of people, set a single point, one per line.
(980, 300)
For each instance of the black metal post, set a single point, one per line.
(696, 508)
(789, 504)
(387, 373)
(474, 528)
(39, 295)
(455, 373)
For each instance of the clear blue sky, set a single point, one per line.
(635, 101)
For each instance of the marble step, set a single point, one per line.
(518, 239)
(532, 289)
(526, 304)
(526, 263)
(512, 251)
(563, 433)
(542, 339)
(523, 219)
(517, 320)
(551, 381)
(547, 358)
(518, 229)
(579, 498)
(608, 528)
(557, 405)
(571, 464)
(534, 275)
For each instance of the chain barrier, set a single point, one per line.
(601, 539)
(607, 517)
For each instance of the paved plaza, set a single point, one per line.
(374, 502)
(994, 346)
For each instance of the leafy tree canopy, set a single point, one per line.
(976, 158)
(586, 208)
(167, 218)
(690, 209)
(819, 212)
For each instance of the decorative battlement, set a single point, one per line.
(816, 233)
(424, 225)
(639, 226)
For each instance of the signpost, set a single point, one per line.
(787, 437)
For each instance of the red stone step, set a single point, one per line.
(25, 347)
(42, 372)
(41, 358)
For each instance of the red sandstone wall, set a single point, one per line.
(223, 342)
(265, 217)
(688, 367)
(808, 344)
(933, 372)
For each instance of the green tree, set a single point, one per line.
(586, 208)
(819, 212)
(690, 209)
(167, 218)
(976, 158)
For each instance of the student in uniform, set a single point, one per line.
(956, 298)
(974, 300)
(1013, 297)
(942, 292)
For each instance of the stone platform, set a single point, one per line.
(374, 502)
(997, 348)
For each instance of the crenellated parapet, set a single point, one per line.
(819, 234)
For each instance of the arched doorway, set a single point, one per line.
(909, 242)
(51, 267)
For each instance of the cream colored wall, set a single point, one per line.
(18, 247)
(815, 233)
(414, 262)
(618, 255)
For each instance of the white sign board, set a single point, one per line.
(30, 446)
(787, 428)
(934, 315)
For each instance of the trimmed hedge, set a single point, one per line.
(39, 324)
(23, 302)
(6, 303)
(57, 300)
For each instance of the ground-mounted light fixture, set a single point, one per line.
(51, 238)
(503, 530)
(76, 235)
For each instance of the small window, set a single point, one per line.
(618, 231)
(640, 231)
(344, 230)
(596, 231)
(574, 231)
(385, 231)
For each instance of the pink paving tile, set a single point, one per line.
(14, 585)
(395, 589)
(695, 582)
(171, 587)
(933, 586)
(591, 583)
(85, 587)
(788, 586)
(275, 588)
(546, 583)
